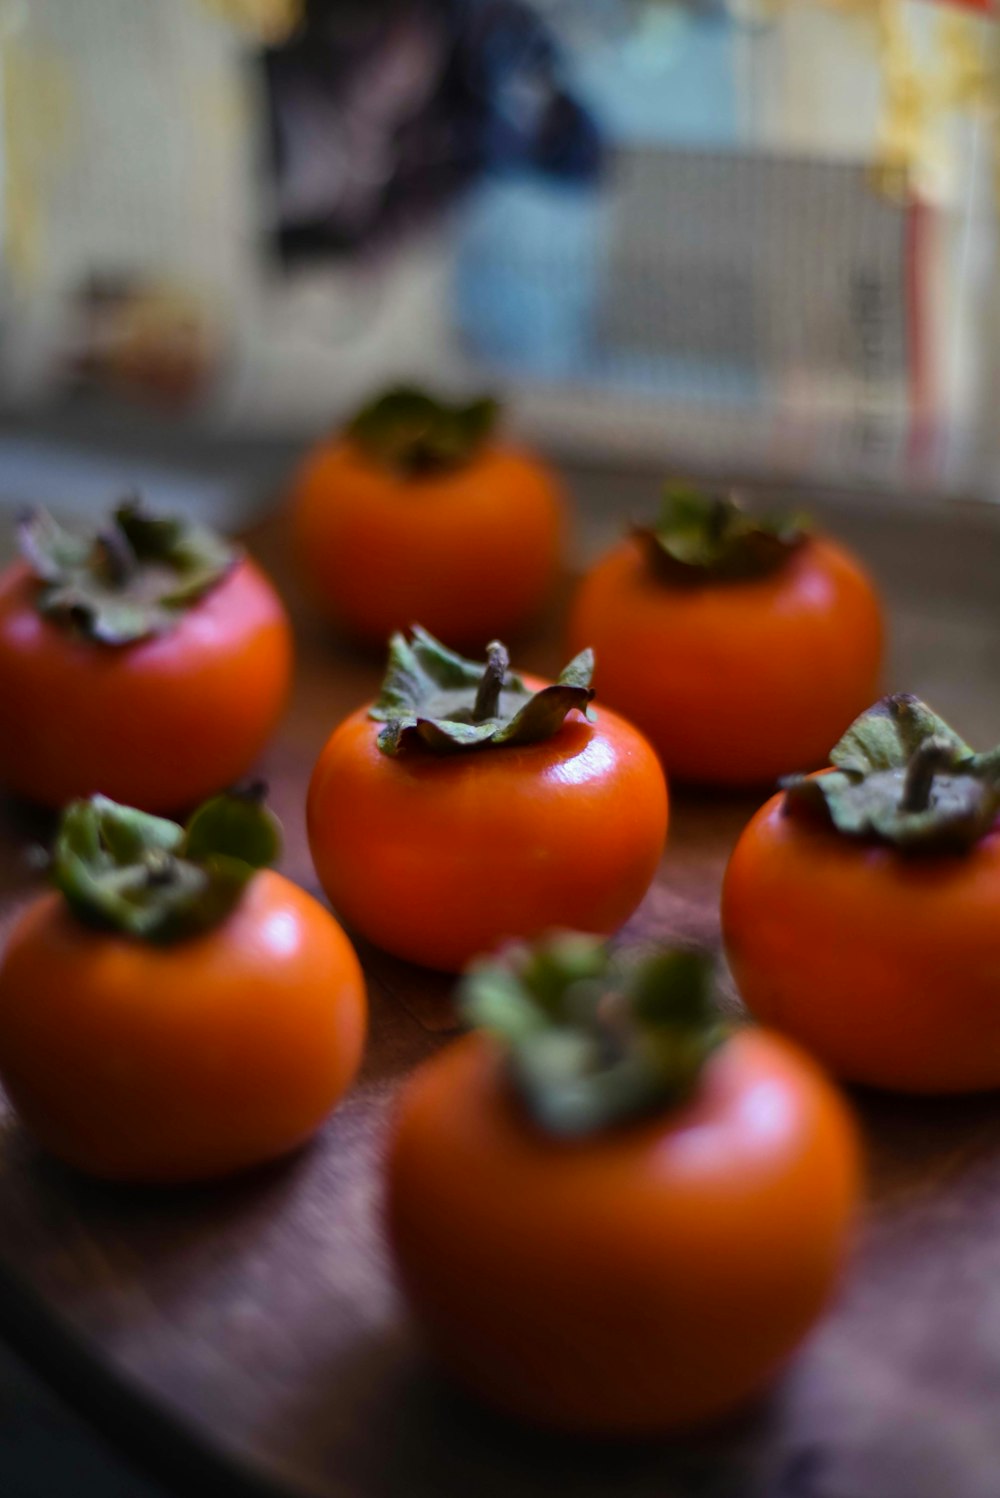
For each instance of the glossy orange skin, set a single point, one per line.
(887, 968)
(469, 554)
(648, 1278)
(160, 724)
(735, 683)
(437, 859)
(178, 1063)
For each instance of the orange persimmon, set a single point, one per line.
(741, 652)
(861, 908)
(597, 1248)
(173, 1013)
(480, 812)
(150, 663)
(416, 512)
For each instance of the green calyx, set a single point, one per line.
(415, 433)
(595, 1038)
(123, 870)
(902, 776)
(708, 537)
(133, 579)
(433, 699)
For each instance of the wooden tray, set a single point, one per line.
(256, 1323)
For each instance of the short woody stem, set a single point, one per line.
(487, 703)
(933, 755)
(161, 869)
(253, 792)
(719, 517)
(117, 559)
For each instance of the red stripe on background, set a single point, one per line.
(921, 375)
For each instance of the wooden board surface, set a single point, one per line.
(262, 1315)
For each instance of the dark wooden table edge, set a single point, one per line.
(162, 1446)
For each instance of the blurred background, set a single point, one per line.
(754, 239)
(742, 236)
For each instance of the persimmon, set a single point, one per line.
(419, 511)
(861, 908)
(609, 1215)
(149, 662)
(175, 1010)
(468, 805)
(742, 648)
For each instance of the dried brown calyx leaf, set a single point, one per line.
(704, 536)
(436, 700)
(595, 1038)
(123, 870)
(415, 433)
(904, 777)
(132, 579)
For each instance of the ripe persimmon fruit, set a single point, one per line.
(469, 805)
(861, 908)
(742, 648)
(418, 511)
(174, 1010)
(609, 1215)
(149, 662)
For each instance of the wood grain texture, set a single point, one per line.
(262, 1313)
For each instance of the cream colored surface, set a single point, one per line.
(268, 20)
(930, 64)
